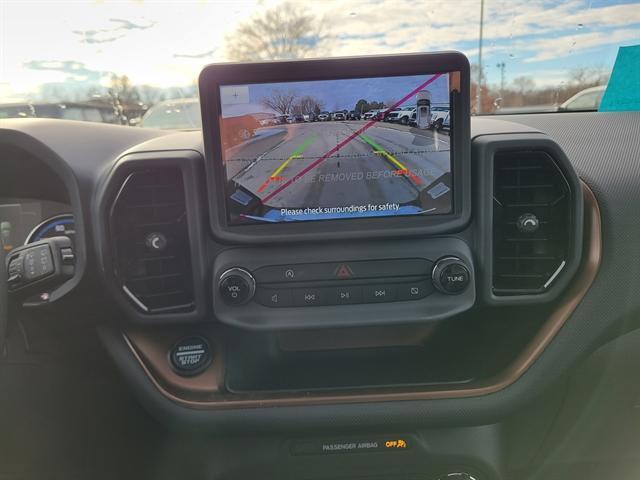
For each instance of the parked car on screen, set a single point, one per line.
(354, 115)
(324, 116)
(440, 118)
(338, 116)
(370, 114)
(401, 115)
(295, 118)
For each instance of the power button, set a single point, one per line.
(236, 286)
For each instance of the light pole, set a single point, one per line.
(479, 86)
(501, 66)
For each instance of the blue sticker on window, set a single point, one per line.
(623, 90)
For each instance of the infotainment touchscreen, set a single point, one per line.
(318, 150)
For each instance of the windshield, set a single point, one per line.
(116, 61)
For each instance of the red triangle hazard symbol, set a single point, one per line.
(343, 271)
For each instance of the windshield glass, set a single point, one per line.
(116, 61)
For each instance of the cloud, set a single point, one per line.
(208, 53)
(97, 36)
(111, 34)
(129, 25)
(421, 26)
(77, 70)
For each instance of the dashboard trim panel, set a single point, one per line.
(158, 372)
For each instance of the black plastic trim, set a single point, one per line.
(484, 149)
(190, 164)
(349, 67)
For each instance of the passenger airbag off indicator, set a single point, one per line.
(190, 356)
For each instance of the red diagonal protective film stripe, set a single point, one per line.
(365, 127)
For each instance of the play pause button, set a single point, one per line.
(344, 295)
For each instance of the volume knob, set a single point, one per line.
(236, 286)
(450, 275)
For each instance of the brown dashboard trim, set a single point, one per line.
(204, 391)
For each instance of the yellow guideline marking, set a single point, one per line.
(378, 150)
(283, 165)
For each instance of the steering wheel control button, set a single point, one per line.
(236, 286)
(67, 255)
(156, 242)
(414, 290)
(528, 223)
(38, 263)
(379, 293)
(451, 275)
(271, 297)
(190, 356)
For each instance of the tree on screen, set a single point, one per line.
(308, 104)
(282, 32)
(280, 101)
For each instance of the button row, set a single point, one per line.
(305, 272)
(312, 296)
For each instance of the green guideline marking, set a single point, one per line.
(297, 153)
(371, 143)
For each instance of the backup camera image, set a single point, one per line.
(335, 149)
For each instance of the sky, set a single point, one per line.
(342, 94)
(165, 44)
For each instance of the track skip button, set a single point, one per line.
(379, 293)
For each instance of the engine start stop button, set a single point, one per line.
(190, 356)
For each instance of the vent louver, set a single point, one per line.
(532, 222)
(156, 275)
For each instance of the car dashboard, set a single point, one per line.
(402, 356)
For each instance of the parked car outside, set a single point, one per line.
(585, 100)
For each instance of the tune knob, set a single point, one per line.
(236, 286)
(450, 275)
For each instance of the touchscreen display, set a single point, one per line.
(336, 149)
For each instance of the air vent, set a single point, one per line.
(532, 222)
(150, 239)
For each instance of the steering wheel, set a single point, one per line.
(4, 300)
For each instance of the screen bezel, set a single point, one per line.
(216, 75)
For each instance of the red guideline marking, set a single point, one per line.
(362, 129)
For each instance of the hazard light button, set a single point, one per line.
(344, 271)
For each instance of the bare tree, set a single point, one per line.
(281, 102)
(284, 31)
(524, 83)
(588, 76)
(308, 104)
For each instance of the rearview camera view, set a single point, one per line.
(336, 149)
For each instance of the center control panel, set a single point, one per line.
(344, 283)
(368, 284)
